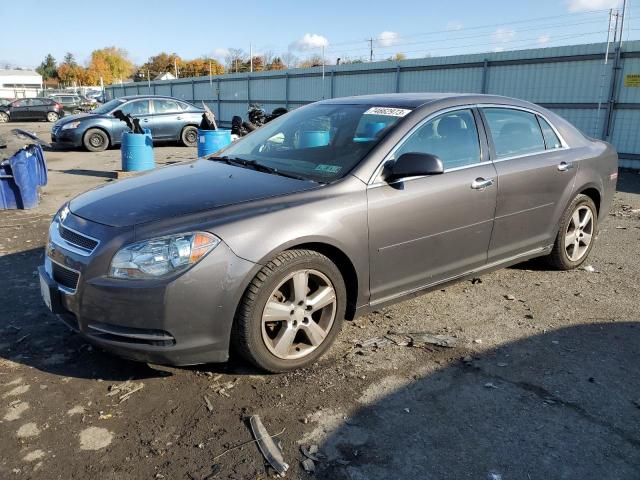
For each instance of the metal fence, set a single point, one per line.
(602, 99)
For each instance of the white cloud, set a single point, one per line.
(387, 39)
(503, 35)
(310, 41)
(453, 26)
(498, 49)
(586, 5)
(220, 53)
(544, 39)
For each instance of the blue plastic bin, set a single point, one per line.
(137, 151)
(210, 141)
(39, 164)
(19, 181)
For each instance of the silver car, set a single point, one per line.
(323, 214)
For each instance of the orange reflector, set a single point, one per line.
(201, 244)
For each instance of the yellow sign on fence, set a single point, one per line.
(632, 80)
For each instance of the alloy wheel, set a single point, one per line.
(299, 314)
(96, 141)
(52, 117)
(579, 233)
(4, 117)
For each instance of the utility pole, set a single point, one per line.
(250, 58)
(149, 81)
(175, 66)
(370, 49)
(323, 72)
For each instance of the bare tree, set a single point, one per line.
(234, 59)
(289, 59)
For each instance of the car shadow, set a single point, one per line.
(628, 181)
(560, 405)
(86, 172)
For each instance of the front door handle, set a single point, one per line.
(564, 166)
(480, 183)
(178, 118)
(145, 120)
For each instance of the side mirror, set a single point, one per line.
(414, 164)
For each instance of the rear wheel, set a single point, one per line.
(576, 234)
(96, 140)
(189, 136)
(4, 117)
(291, 312)
(52, 117)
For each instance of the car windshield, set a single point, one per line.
(109, 106)
(320, 142)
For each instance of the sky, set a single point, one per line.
(193, 28)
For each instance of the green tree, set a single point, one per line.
(69, 59)
(159, 64)
(48, 68)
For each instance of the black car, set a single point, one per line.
(32, 109)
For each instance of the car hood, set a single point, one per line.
(79, 116)
(179, 190)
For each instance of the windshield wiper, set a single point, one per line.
(260, 167)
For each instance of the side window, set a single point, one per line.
(514, 132)
(452, 136)
(139, 107)
(551, 140)
(35, 102)
(165, 106)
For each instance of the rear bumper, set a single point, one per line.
(181, 320)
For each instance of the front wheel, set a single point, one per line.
(96, 140)
(189, 136)
(576, 234)
(4, 117)
(291, 312)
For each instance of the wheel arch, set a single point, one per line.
(338, 256)
(593, 193)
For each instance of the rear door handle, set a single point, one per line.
(564, 166)
(178, 118)
(480, 183)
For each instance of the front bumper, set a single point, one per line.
(181, 320)
(71, 137)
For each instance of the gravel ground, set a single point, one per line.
(543, 380)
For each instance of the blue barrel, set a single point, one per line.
(18, 181)
(137, 151)
(210, 141)
(314, 138)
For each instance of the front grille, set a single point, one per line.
(77, 239)
(65, 276)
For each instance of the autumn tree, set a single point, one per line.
(69, 72)
(48, 68)
(199, 67)
(313, 61)
(159, 64)
(276, 64)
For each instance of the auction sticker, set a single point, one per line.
(328, 168)
(389, 111)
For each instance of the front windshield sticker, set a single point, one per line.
(328, 168)
(391, 112)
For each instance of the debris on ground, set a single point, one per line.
(124, 390)
(418, 338)
(475, 281)
(312, 452)
(589, 268)
(489, 385)
(208, 403)
(308, 465)
(267, 446)
(222, 389)
(509, 297)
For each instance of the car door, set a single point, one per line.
(137, 109)
(38, 109)
(168, 119)
(20, 109)
(535, 180)
(425, 230)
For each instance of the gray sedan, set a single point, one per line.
(323, 214)
(169, 119)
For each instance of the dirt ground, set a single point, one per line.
(542, 383)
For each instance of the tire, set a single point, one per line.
(95, 140)
(52, 117)
(578, 223)
(4, 117)
(283, 344)
(189, 136)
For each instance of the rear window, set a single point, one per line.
(551, 140)
(514, 132)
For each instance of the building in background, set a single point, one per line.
(20, 83)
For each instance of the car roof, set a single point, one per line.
(134, 97)
(415, 100)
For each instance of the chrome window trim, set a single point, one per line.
(56, 238)
(373, 180)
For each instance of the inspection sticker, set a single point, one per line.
(389, 111)
(328, 168)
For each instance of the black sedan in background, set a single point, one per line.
(32, 109)
(169, 119)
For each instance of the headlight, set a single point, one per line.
(71, 125)
(161, 256)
